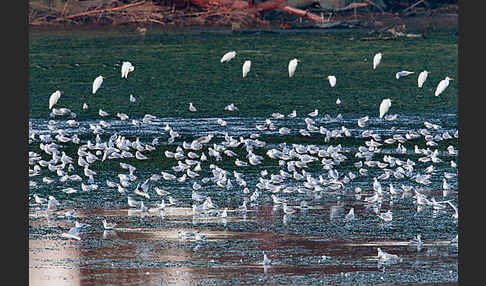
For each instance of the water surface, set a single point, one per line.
(314, 245)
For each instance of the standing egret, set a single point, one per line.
(85, 106)
(377, 60)
(402, 74)
(422, 78)
(292, 66)
(97, 83)
(54, 98)
(338, 101)
(332, 80)
(246, 68)
(228, 56)
(384, 106)
(443, 84)
(126, 68)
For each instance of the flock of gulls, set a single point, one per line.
(292, 188)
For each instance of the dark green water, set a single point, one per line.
(313, 246)
(172, 70)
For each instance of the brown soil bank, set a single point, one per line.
(141, 15)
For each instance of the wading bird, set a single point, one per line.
(54, 98)
(246, 68)
(292, 66)
(126, 68)
(332, 80)
(384, 106)
(97, 83)
(377, 60)
(228, 56)
(443, 84)
(422, 78)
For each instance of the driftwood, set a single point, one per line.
(412, 6)
(396, 33)
(374, 5)
(303, 13)
(255, 8)
(330, 24)
(100, 11)
(376, 38)
(235, 13)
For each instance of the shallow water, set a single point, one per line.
(314, 245)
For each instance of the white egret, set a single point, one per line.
(97, 83)
(126, 68)
(292, 66)
(338, 101)
(443, 84)
(228, 56)
(54, 98)
(384, 106)
(85, 106)
(332, 80)
(377, 60)
(402, 74)
(422, 78)
(246, 68)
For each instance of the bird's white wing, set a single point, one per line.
(97, 83)
(384, 106)
(246, 68)
(124, 70)
(441, 87)
(54, 98)
(292, 67)
(421, 78)
(376, 60)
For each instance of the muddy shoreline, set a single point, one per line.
(433, 20)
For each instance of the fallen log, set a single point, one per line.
(401, 34)
(376, 38)
(411, 7)
(329, 25)
(255, 8)
(303, 13)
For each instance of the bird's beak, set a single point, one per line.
(451, 78)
